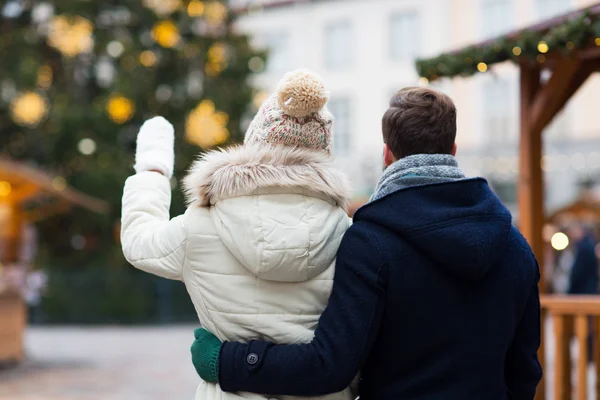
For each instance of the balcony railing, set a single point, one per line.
(573, 317)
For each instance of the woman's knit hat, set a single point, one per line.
(295, 115)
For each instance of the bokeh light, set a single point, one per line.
(120, 109)
(559, 241)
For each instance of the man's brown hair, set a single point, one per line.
(419, 121)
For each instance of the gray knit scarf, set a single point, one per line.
(417, 170)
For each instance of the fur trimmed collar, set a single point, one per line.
(240, 170)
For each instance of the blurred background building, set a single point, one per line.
(78, 78)
(365, 50)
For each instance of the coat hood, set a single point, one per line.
(461, 226)
(279, 210)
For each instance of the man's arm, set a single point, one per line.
(343, 339)
(523, 371)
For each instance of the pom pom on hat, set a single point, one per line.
(295, 115)
(301, 93)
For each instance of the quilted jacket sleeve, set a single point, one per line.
(151, 242)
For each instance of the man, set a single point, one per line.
(584, 273)
(583, 279)
(435, 294)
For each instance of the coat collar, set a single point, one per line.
(241, 170)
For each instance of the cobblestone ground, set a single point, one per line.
(103, 364)
(127, 364)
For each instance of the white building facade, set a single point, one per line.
(365, 50)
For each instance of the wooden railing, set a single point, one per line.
(573, 317)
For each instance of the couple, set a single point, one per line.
(434, 295)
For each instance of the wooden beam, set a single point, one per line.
(25, 192)
(553, 95)
(18, 172)
(592, 53)
(581, 76)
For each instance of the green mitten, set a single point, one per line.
(205, 355)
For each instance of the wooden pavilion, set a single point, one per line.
(27, 195)
(568, 49)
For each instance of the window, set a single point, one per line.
(500, 124)
(340, 109)
(498, 16)
(545, 9)
(339, 51)
(277, 46)
(404, 36)
(559, 126)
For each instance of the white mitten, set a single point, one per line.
(155, 147)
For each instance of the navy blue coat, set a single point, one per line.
(584, 274)
(435, 297)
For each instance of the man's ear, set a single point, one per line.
(388, 156)
(453, 150)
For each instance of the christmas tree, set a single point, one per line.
(78, 78)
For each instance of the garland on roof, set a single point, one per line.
(565, 37)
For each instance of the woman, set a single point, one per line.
(256, 247)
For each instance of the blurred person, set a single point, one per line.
(584, 271)
(583, 279)
(256, 247)
(435, 294)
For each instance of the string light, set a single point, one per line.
(5, 188)
(163, 7)
(482, 67)
(206, 127)
(29, 109)
(120, 109)
(195, 8)
(87, 146)
(541, 58)
(147, 58)
(71, 36)
(559, 241)
(256, 64)
(44, 77)
(567, 35)
(59, 183)
(259, 99)
(165, 33)
(115, 49)
(217, 60)
(215, 13)
(423, 81)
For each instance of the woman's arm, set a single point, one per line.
(150, 241)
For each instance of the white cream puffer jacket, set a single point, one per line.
(256, 247)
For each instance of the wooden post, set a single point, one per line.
(531, 188)
(581, 329)
(539, 105)
(562, 362)
(531, 214)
